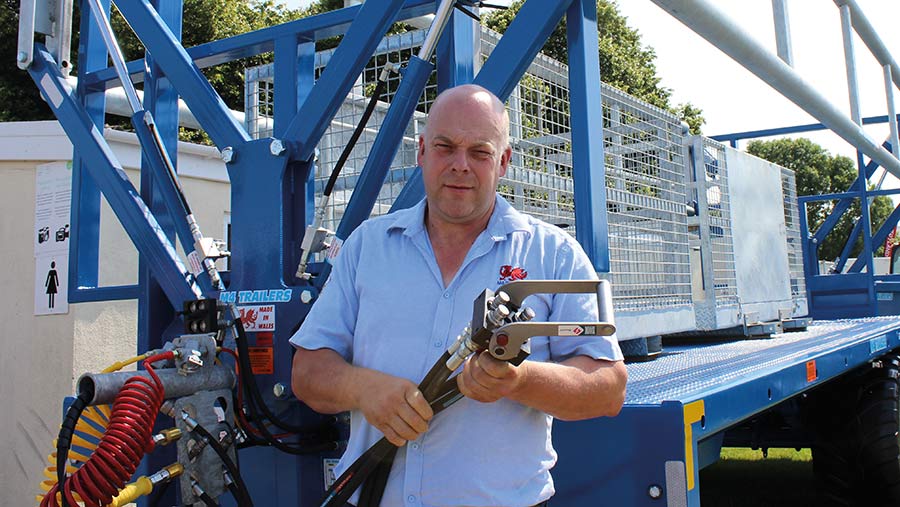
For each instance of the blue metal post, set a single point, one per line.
(457, 52)
(156, 314)
(589, 171)
(294, 80)
(85, 216)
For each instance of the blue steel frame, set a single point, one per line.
(839, 295)
(272, 195)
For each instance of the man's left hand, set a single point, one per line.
(487, 379)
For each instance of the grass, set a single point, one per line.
(743, 478)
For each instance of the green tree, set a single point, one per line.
(203, 21)
(624, 62)
(818, 172)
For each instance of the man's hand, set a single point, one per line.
(487, 379)
(395, 406)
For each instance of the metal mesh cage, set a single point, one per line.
(644, 162)
(792, 223)
(649, 256)
(395, 49)
(720, 233)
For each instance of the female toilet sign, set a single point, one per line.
(51, 238)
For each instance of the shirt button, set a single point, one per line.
(411, 498)
(446, 295)
(438, 344)
(415, 446)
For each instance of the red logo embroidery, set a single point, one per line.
(510, 274)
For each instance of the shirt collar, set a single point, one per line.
(504, 220)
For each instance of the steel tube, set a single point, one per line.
(782, 32)
(708, 22)
(441, 17)
(107, 385)
(870, 38)
(115, 53)
(850, 62)
(892, 110)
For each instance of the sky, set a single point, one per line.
(733, 99)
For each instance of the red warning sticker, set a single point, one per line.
(262, 360)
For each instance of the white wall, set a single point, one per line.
(42, 356)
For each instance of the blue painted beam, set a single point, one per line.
(107, 293)
(84, 238)
(524, 38)
(261, 41)
(206, 105)
(586, 108)
(796, 129)
(136, 218)
(349, 59)
(384, 148)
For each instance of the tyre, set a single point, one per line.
(856, 452)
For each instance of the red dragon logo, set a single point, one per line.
(510, 274)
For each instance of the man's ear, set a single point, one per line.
(421, 152)
(504, 160)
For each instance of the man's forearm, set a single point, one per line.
(578, 388)
(325, 381)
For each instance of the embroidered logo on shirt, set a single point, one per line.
(510, 274)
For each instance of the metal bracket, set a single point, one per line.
(52, 18)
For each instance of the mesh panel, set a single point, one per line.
(644, 163)
(716, 174)
(792, 221)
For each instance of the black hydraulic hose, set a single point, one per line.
(252, 389)
(243, 498)
(64, 439)
(345, 154)
(207, 500)
(373, 488)
(442, 392)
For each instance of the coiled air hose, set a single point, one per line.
(128, 436)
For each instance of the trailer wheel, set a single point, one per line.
(856, 455)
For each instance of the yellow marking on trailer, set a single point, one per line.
(693, 412)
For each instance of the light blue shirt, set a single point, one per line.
(386, 308)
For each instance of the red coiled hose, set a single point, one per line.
(126, 440)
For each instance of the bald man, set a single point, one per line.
(401, 291)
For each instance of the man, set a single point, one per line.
(401, 291)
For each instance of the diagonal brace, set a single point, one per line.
(136, 218)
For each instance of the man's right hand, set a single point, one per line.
(323, 380)
(395, 406)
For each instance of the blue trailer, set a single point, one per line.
(715, 274)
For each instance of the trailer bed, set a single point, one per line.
(679, 404)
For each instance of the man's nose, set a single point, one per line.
(460, 161)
